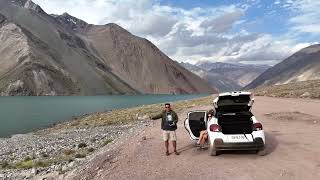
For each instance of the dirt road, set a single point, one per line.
(292, 129)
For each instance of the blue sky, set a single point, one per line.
(245, 31)
(189, 4)
(265, 16)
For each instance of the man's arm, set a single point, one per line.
(176, 117)
(158, 116)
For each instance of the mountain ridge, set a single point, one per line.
(226, 76)
(301, 66)
(64, 60)
(220, 82)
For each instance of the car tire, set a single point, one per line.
(262, 152)
(213, 151)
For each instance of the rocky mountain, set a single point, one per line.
(207, 65)
(242, 74)
(43, 54)
(226, 76)
(220, 66)
(142, 64)
(304, 65)
(222, 83)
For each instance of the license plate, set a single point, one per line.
(238, 137)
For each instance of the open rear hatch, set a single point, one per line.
(234, 115)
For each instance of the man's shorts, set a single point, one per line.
(169, 135)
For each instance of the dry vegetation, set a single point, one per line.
(124, 116)
(305, 89)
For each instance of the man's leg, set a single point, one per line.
(174, 142)
(166, 143)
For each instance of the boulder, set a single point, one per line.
(305, 95)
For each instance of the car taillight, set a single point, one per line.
(215, 128)
(257, 126)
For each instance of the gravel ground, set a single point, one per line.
(291, 126)
(54, 145)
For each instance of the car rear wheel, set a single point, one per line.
(213, 151)
(262, 152)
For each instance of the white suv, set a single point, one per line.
(233, 127)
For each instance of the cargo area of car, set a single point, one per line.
(235, 123)
(234, 115)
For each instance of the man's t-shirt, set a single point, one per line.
(169, 120)
(169, 123)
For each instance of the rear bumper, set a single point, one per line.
(257, 144)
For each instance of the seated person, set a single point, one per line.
(204, 133)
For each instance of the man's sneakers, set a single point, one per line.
(175, 152)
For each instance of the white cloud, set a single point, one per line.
(307, 15)
(187, 35)
(222, 23)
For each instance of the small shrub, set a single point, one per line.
(28, 158)
(41, 164)
(44, 155)
(75, 123)
(24, 164)
(33, 164)
(79, 156)
(108, 141)
(67, 159)
(82, 145)
(91, 150)
(4, 164)
(69, 152)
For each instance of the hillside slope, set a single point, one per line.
(40, 57)
(301, 66)
(304, 89)
(141, 64)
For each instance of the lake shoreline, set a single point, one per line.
(64, 146)
(20, 115)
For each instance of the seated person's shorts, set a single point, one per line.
(169, 135)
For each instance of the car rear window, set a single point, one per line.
(233, 100)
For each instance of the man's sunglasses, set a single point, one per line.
(167, 107)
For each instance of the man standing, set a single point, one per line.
(169, 127)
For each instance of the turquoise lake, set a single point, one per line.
(25, 114)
